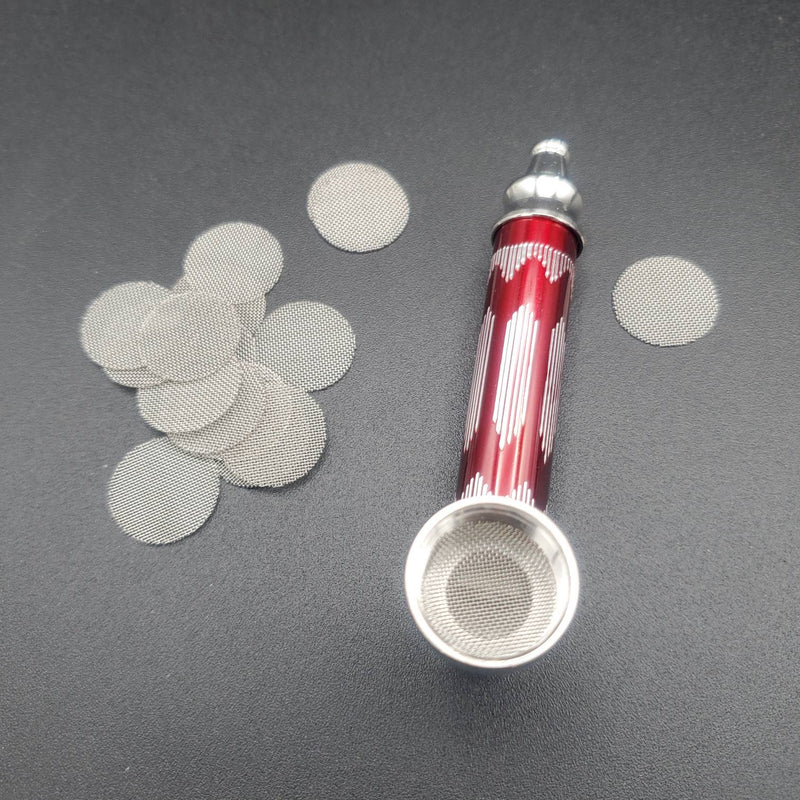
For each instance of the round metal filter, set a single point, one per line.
(250, 313)
(159, 494)
(189, 335)
(237, 422)
(284, 446)
(134, 378)
(665, 301)
(358, 207)
(491, 582)
(235, 261)
(310, 345)
(110, 325)
(175, 407)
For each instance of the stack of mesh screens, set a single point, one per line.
(225, 382)
(227, 385)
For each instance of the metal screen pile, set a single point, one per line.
(227, 386)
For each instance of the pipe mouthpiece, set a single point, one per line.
(546, 190)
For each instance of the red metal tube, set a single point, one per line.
(511, 416)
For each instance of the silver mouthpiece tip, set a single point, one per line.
(545, 190)
(557, 147)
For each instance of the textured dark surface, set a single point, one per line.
(271, 655)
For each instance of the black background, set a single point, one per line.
(271, 655)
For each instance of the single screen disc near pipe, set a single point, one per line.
(491, 581)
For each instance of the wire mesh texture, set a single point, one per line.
(136, 378)
(251, 313)
(358, 207)
(310, 345)
(665, 301)
(182, 407)
(284, 446)
(236, 423)
(188, 336)
(221, 410)
(110, 326)
(235, 261)
(159, 494)
(488, 590)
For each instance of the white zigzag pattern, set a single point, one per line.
(509, 258)
(555, 262)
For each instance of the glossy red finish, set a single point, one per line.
(514, 397)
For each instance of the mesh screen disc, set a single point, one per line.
(111, 323)
(665, 301)
(237, 422)
(159, 494)
(175, 407)
(284, 446)
(489, 591)
(250, 313)
(235, 261)
(189, 335)
(310, 345)
(135, 378)
(358, 207)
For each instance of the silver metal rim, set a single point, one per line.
(417, 559)
(562, 218)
